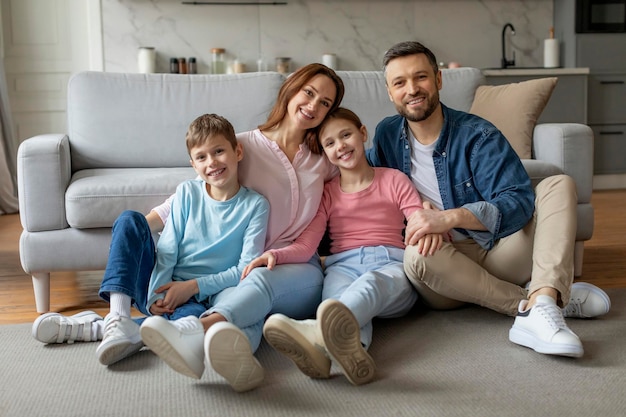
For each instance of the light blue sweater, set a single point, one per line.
(207, 240)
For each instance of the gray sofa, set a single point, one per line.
(124, 149)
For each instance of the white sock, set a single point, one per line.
(120, 304)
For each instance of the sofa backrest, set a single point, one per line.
(139, 120)
(120, 120)
(366, 93)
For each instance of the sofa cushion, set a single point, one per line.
(95, 197)
(514, 109)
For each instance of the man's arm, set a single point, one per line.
(423, 222)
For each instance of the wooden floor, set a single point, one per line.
(604, 265)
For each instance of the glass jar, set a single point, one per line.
(174, 65)
(192, 67)
(283, 65)
(218, 65)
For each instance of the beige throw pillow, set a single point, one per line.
(514, 109)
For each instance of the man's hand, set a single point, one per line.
(425, 222)
(267, 259)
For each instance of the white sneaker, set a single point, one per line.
(121, 339)
(543, 329)
(342, 338)
(300, 341)
(56, 328)
(587, 301)
(228, 351)
(178, 342)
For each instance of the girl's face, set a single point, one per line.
(216, 162)
(343, 143)
(310, 105)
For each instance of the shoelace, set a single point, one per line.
(553, 314)
(573, 309)
(186, 325)
(111, 325)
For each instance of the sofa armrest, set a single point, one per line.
(43, 174)
(570, 147)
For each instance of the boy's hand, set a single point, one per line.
(267, 259)
(157, 309)
(177, 293)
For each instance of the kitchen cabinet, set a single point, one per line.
(568, 102)
(607, 118)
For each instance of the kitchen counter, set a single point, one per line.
(529, 71)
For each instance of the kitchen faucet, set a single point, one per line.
(505, 62)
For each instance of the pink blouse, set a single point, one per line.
(293, 189)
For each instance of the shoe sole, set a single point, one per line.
(524, 338)
(161, 347)
(341, 334)
(115, 351)
(598, 292)
(53, 339)
(288, 341)
(230, 355)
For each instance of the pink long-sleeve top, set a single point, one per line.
(293, 189)
(370, 217)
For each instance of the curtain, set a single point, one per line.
(8, 154)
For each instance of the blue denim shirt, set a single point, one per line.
(476, 169)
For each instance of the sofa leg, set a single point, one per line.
(41, 287)
(578, 258)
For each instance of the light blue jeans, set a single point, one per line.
(370, 281)
(294, 290)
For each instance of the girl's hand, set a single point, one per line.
(429, 244)
(177, 293)
(267, 259)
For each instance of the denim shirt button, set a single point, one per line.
(467, 184)
(443, 154)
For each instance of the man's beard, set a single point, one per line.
(419, 115)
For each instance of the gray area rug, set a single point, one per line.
(453, 363)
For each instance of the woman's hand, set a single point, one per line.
(177, 293)
(267, 259)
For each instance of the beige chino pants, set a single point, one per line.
(542, 252)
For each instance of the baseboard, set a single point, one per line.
(609, 182)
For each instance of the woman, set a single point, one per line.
(283, 162)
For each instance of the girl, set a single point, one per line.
(364, 209)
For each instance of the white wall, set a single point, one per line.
(358, 31)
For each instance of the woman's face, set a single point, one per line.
(310, 105)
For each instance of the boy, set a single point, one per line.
(214, 229)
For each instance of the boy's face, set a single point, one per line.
(216, 162)
(343, 143)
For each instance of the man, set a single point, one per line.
(502, 232)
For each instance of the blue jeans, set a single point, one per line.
(371, 282)
(294, 290)
(131, 259)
